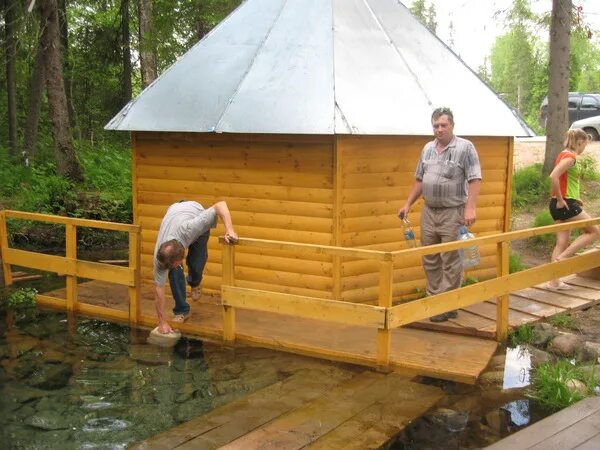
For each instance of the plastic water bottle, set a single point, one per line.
(468, 255)
(409, 234)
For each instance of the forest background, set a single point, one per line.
(71, 65)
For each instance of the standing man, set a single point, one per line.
(186, 225)
(448, 176)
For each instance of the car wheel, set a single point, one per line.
(593, 133)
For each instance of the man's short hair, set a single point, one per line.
(168, 253)
(443, 111)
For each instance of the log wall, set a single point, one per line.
(341, 191)
(278, 188)
(376, 175)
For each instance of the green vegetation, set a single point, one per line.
(563, 320)
(515, 264)
(541, 220)
(22, 299)
(550, 384)
(525, 334)
(529, 186)
(589, 168)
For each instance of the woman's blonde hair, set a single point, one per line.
(574, 135)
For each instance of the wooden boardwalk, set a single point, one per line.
(452, 350)
(308, 410)
(525, 306)
(414, 351)
(576, 427)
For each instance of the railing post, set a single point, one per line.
(228, 263)
(71, 255)
(502, 251)
(6, 270)
(134, 264)
(384, 337)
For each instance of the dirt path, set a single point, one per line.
(531, 150)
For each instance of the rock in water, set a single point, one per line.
(164, 340)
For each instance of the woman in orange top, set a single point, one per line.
(566, 204)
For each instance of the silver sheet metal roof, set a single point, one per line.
(318, 67)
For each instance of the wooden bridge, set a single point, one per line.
(389, 335)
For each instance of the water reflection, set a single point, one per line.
(519, 412)
(517, 367)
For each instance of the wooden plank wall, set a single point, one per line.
(277, 188)
(377, 174)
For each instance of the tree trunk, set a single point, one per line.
(558, 90)
(36, 86)
(126, 51)
(11, 77)
(63, 26)
(147, 43)
(67, 163)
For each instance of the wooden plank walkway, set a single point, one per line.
(575, 427)
(308, 410)
(418, 352)
(525, 306)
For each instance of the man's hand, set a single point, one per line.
(164, 328)
(231, 237)
(403, 212)
(470, 216)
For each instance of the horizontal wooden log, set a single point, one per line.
(112, 226)
(421, 309)
(305, 307)
(156, 204)
(39, 261)
(261, 220)
(402, 178)
(226, 190)
(106, 272)
(381, 220)
(246, 176)
(379, 163)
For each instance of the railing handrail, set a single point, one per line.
(395, 255)
(113, 226)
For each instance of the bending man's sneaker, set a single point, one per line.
(180, 318)
(196, 293)
(439, 318)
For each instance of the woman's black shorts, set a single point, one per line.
(563, 213)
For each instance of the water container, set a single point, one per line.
(409, 234)
(468, 255)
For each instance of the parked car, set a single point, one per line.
(581, 106)
(591, 126)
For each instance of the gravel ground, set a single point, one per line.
(531, 150)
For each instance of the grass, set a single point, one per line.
(525, 334)
(549, 384)
(541, 220)
(529, 186)
(563, 320)
(515, 264)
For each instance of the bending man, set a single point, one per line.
(186, 225)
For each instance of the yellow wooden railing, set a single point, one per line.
(73, 268)
(384, 316)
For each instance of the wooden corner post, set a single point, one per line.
(134, 265)
(228, 280)
(502, 301)
(6, 270)
(384, 337)
(71, 276)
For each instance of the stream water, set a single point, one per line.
(78, 383)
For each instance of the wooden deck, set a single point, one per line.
(414, 351)
(576, 427)
(308, 410)
(525, 306)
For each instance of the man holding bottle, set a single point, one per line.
(448, 177)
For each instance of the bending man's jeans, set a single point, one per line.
(195, 261)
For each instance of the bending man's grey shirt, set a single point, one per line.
(445, 176)
(185, 222)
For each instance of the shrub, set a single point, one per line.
(541, 220)
(589, 168)
(22, 298)
(525, 334)
(515, 264)
(549, 384)
(529, 186)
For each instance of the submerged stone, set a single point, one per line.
(51, 376)
(47, 420)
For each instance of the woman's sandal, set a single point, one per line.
(562, 286)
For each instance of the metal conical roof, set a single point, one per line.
(318, 67)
